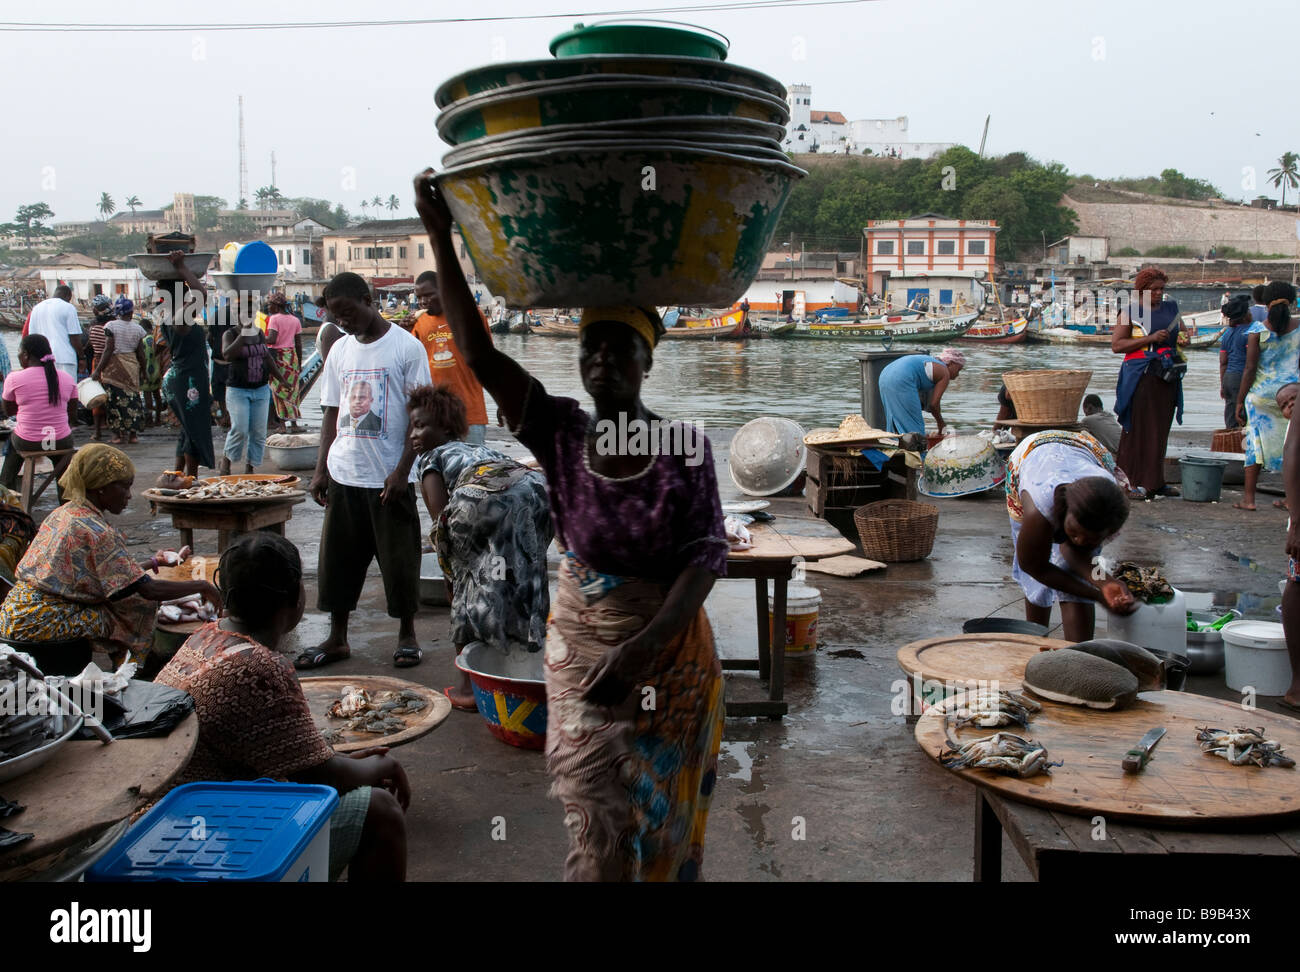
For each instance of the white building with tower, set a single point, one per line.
(817, 130)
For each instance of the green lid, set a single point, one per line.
(615, 37)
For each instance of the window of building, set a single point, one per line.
(332, 257)
(350, 257)
(916, 247)
(306, 258)
(975, 247)
(947, 247)
(884, 248)
(97, 288)
(401, 253)
(421, 251)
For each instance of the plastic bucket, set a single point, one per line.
(1202, 478)
(91, 393)
(1255, 656)
(802, 607)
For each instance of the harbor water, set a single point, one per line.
(725, 384)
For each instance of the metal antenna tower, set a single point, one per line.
(243, 159)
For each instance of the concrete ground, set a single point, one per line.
(838, 789)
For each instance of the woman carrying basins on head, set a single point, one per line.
(1064, 503)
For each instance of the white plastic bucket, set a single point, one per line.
(91, 393)
(1159, 626)
(1255, 656)
(802, 608)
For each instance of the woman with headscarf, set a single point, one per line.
(284, 338)
(1150, 386)
(78, 580)
(120, 367)
(1065, 500)
(633, 683)
(101, 308)
(1271, 353)
(915, 382)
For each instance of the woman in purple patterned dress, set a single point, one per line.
(633, 683)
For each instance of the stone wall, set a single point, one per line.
(1197, 226)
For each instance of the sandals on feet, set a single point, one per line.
(407, 657)
(314, 658)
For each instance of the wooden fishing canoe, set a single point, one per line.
(932, 330)
(723, 327)
(998, 332)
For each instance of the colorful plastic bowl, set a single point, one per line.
(256, 257)
(510, 692)
(639, 38)
(632, 224)
(745, 146)
(494, 77)
(600, 98)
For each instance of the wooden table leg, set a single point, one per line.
(223, 540)
(187, 538)
(764, 642)
(776, 689)
(988, 842)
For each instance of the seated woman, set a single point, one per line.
(78, 580)
(16, 532)
(1064, 503)
(917, 381)
(492, 525)
(39, 396)
(254, 721)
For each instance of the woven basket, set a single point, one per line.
(1047, 396)
(1228, 440)
(896, 530)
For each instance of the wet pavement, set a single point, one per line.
(838, 789)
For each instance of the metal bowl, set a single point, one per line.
(750, 147)
(261, 283)
(157, 267)
(496, 77)
(433, 586)
(602, 98)
(560, 228)
(767, 455)
(28, 761)
(1003, 626)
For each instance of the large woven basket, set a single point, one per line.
(896, 530)
(1047, 396)
(1228, 440)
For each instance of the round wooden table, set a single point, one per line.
(229, 518)
(85, 789)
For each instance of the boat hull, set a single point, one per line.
(918, 332)
(1001, 332)
(724, 327)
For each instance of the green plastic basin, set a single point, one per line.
(613, 38)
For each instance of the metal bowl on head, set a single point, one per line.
(261, 283)
(560, 228)
(158, 267)
(748, 146)
(602, 98)
(767, 456)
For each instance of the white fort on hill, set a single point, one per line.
(814, 130)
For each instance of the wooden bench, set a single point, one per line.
(30, 492)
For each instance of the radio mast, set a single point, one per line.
(243, 161)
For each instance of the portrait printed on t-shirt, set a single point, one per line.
(361, 412)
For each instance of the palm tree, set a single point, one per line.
(133, 203)
(378, 203)
(364, 204)
(106, 205)
(393, 203)
(263, 196)
(274, 194)
(1286, 174)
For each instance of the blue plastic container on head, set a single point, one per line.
(256, 257)
(256, 831)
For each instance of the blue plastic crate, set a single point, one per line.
(256, 831)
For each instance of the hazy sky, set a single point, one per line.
(1110, 88)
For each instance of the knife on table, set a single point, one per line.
(1136, 758)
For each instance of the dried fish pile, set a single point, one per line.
(1243, 747)
(228, 490)
(1002, 752)
(27, 721)
(379, 715)
(1147, 584)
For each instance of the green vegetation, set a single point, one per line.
(1171, 184)
(830, 208)
(1287, 173)
(108, 244)
(1170, 251)
(29, 221)
(1128, 251)
(1232, 253)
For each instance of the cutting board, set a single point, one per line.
(322, 691)
(974, 657)
(1180, 786)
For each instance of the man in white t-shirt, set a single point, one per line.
(364, 476)
(56, 319)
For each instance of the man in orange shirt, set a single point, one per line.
(445, 362)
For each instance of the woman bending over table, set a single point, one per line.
(78, 580)
(633, 683)
(1064, 503)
